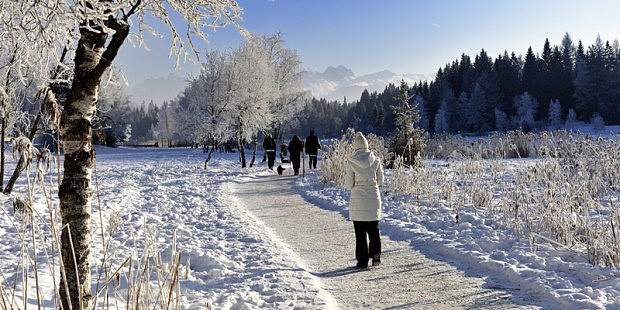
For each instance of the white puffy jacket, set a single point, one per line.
(363, 176)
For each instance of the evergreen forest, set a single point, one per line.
(564, 84)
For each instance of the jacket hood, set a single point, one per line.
(360, 142)
(363, 159)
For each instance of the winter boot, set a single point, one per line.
(376, 260)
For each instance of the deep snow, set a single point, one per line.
(233, 259)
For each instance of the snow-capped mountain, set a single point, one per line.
(336, 83)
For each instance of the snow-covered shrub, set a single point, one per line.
(514, 144)
(519, 144)
(443, 146)
(566, 195)
(414, 181)
(339, 151)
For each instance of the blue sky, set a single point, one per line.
(403, 36)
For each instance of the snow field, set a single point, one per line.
(159, 206)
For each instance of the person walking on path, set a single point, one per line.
(364, 174)
(270, 149)
(295, 148)
(312, 149)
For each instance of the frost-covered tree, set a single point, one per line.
(598, 124)
(252, 91)
(143, 120)
(27, 64)
(291, 97)
(4, 110)
(206, 102)
(526, 107)
(592, 82)
(97, 29)
(463, 110)
(166, 124)
(112, 123)
(571, 119)
(555, 114)
(441, 122)
(502, 123)
(477, 116)
(449, 105)
(407, 140)
(424, 122)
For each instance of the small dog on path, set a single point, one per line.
(280, 169)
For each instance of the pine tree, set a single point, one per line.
(571, 119)
(555, 114)
(508, 69)
(460, 119)
(479, 118)
(530, 72)
(553, 87)
(420, 104)
(448, 106)
(441, 121)
(598, 124)
(526, 107)
(581, 94)
(378, 117)
(407, 140)
(501, 120)
(591, 82)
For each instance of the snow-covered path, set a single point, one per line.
(324, 241)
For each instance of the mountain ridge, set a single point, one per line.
(333, 84)
(338, 83)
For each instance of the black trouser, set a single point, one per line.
(271, 158)
(296, 166)
(312, 161)
(364, 250)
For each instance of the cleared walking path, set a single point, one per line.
(325, 242)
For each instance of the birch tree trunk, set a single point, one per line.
(91, 60)
(2, 152)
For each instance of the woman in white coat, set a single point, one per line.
(364, 174)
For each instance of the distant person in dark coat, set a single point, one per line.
(295, 149)
(312, 149)
(270, 149)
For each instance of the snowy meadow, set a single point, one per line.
(541, 210)
(538, 211)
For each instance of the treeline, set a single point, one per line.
(565, 83)
(119, 121)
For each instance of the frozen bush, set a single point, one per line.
(339, 151)
(567, 193)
